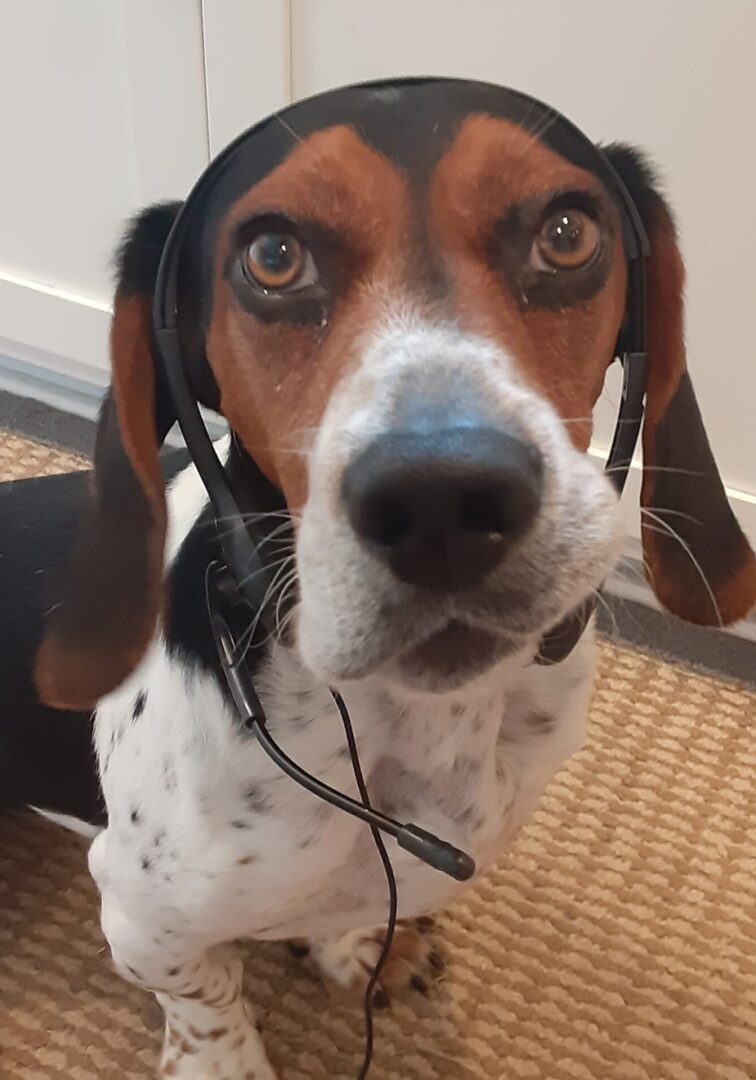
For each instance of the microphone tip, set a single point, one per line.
(436, 853)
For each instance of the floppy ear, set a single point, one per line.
(699, 563)
(111, 595)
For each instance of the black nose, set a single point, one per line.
(442, 507)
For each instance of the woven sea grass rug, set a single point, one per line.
(616, 941)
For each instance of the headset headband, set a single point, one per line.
(237, 542)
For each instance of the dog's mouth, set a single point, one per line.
(454, 654)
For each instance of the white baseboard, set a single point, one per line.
(62, 331)
(79, 394)
(69, 393)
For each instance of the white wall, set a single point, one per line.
(102, 109)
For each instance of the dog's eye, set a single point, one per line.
(568, 240)
(278, 262)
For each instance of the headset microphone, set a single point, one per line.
(424, 845)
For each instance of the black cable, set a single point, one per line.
(390, 880)
(427, 847)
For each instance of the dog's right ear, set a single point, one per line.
(111, 596)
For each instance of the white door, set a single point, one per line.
(102, 109)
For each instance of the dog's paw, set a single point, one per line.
(349, 960)
(219, 1054)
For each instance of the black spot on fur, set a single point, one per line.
(239, 824)
(146, 864)
(135, 816)
(298, 950)
(159, 838)
(109, 752)
(139, 704)
(458, 709)
(541, 722)
(169, 775)
(466, 766)
(256, 799)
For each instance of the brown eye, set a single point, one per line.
(568, 240)
(276, 262)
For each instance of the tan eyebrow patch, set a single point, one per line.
(276, 379)
(337, 180)
(492, 165)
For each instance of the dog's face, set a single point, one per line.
(408, 321)
(414, 360)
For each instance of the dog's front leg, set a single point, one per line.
(210, 1030)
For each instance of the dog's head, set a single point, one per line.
(405, 300)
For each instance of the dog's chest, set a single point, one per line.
(203, 825)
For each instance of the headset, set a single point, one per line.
(242, 583)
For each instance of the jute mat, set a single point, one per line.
(616, 941)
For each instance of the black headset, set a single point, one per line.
(243, 579)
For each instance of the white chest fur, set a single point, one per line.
(205, 833)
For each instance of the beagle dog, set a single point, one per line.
(406, 320)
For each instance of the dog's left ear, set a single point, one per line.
(699, 563)
(110, 597)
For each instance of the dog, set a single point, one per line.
(406, 324)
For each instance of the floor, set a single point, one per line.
(616, 941)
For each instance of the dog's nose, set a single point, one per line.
(442, 507)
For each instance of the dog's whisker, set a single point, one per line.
(253, 515)
(275, 536)
(284, 124)
(288, 616)
(628, 568)
(284, 596)
(245, 642)
(266, 568)
(539, 130)
(667, 530)
(656, 468)
(284, 519)
(627, 611)
(673, 513)
(274, 631)
(601, 599)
